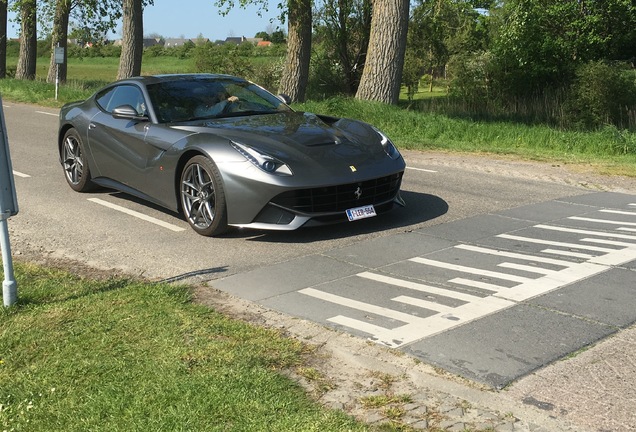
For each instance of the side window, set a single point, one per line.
(103, 98)
(127, 95)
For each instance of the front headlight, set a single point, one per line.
(387, 145)
(263, 161)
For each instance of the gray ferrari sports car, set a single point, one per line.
(226, 152)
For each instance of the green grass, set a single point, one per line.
(122, 355)
(610, 151)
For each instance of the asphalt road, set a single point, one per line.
(61, 223)
(399, 279)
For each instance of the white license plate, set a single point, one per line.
(361, 212)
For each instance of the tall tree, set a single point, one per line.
(96, 17)
(345, 29)
(296, 71)
(3, 38)
(59, 37)
(382, 75)
(28, 40)
(133, 39)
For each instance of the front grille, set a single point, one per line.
(340, 197)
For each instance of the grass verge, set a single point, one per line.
(122, 355)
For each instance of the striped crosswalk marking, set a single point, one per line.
(560, 264)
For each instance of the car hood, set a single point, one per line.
(305, 140)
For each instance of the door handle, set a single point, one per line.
(92, 125)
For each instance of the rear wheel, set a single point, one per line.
(202, 197)
(76, 171)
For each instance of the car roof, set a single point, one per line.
(153, 79)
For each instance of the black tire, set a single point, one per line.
(76, 171)
(202, 197)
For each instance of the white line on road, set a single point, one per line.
(47, 113)
(621, 212)
(420, 169)
(137, 215)
(416, 286)
(471, 270)
(555, 243)
(567, 253)
(424, 304)
(526, 257)
(477, 284)
(587, 232)
(526, 268)
(602, 221)
(19, 174)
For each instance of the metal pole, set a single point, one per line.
(57, 78)
(9, 285)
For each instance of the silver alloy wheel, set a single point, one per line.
(198, 196)
(72, 160)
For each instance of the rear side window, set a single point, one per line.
(122, 95)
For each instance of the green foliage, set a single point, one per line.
(602, 94)
(325, 75)
(226, 58)
(342, 29)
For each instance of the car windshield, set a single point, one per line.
(207, 98)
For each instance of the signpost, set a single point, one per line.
(59, 59)
(8, 208)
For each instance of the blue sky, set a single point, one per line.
(191, 18)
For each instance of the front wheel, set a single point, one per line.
(76, 171)
(202, 197)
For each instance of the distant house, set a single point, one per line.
(242, 39)
(148, 42)
(235, 40)
(173, 43)
(264, 43)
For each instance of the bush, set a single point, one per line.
(326, 77)
(224, 59)
(602, 94)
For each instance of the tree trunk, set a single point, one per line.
(59, 36)
(28, 41)
(132, 41)
(293, 83)
(382, 75)
(3, 38)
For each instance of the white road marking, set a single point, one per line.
(478, 284)
(526, 268)
(531, 258)
(19, 174)
(472, 270)
(424, 304)
(47, 113)
(587, 232)
(420, 169)
(137, 215)
(417, 286)
(554, 243)
(621, 212)
(567, 253)
(411, 327)
(602, 221)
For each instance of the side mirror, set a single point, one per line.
(127, 112)
(284, 98)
